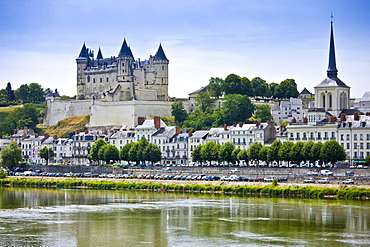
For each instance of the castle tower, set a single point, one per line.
(332, 94)
(82, 62)
(125, 72)
(160, 62)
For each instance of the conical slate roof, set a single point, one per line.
(83, 52)
(125, 50)
(332, 80)
(100, 55)
(160, 54)
(305, 91)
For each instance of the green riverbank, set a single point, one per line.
(270, 190)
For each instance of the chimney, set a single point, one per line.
(258, 124)
(46, 135)
(25, 132)
(225, 126)
(356, 117)
(367, 113)
(342, 117)
(178, 130)
(77, 132)
(333, 118)
(15, 131)
(294, 120)
(36, 135)
(305, 119)
(86, 131)
(361, 113)
(190, 133)
(235, 124)
(240, 125)
(55, 137)
(140, 120)
(105, 132)
(157, 122)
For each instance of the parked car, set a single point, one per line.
(235, 170)
(348, 181)
(312, 173)
(283, 179)
(350, 173)
(269, 179)
(309, 180)
(326, 173)
(324, 181)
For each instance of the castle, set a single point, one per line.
(116, 91)
(122, 78)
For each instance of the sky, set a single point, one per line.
(271, 39)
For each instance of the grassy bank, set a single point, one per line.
(273, 191)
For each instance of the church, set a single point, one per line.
(122, 78)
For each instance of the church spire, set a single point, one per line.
(332, 71)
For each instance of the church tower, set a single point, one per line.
(332, 94)
(82, 62)
(160, 62)
(125, 76)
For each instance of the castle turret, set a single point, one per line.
(82, 62)
(161, 64)
(125, 72)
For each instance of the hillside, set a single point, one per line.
(9, 108)
(66, 127)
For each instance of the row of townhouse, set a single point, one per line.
(352, 132)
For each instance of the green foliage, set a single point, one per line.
(152, 153)
(94, 151)
(316, 152)
(226, 151)
(209, 151)
(273, 154)
(298, 154)
(261, 88)
(178, 111)
(109, 153)
(254, 151)
(196, 155)
(285, 151)
(307, 151)
(3, 173)
(264, 153)
(263, 113)
(46, 154)
(241, 154)
(204, 101)
(124, 152)
(215, 86)
(367, 159)
(331, 151)
(286, 89)
(11, 155)
(236, 108)
(274, 182)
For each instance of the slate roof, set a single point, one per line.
(100, 55)
(366, 96)
(83, 53)
(200, 90)
(332, 82)
(125, 50)
(160, 54)
(305, 91)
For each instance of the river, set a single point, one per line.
(41, 217)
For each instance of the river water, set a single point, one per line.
(37, 217)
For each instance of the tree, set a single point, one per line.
(273, 87)
(153, 153)
(315, 152)
(215, 86)
(264, 151)
(236, 108)
(254, 151)
(94, 151)
(307, 151)
(298, 154)
(178, 111)
(109, 153)
(134, 153)
(11, 155)
(36, 93)
(143, 143)
(260, 86)
(10, 92)
(46, 154)
(263, 113)
(22, 93)
(204, 101)
(209, 151)
(226, 151)
(367, 159)
(243, 155)
(287, 89)
(196, 154)
(273, 154)
(235, 154)
(331, 151)
(285, 151)
(124, 152)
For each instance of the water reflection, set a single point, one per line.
(131, 218)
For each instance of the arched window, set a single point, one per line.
(323, 101)
(330, 101)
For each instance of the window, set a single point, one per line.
(304, 135)
(361, 137)
(298, 137)
(311, 135)
(355, 137)
(347, 137)
(361, 145)
(94, 80)
(341, 137)
(101, 79)
(347, 145)
(332, 135)
(319, 135)
(325, 135)
(355, 145)
(367, 137)
(107, 79)
(162, 68)
(367, 145)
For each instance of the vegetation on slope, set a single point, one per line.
(66, 128)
